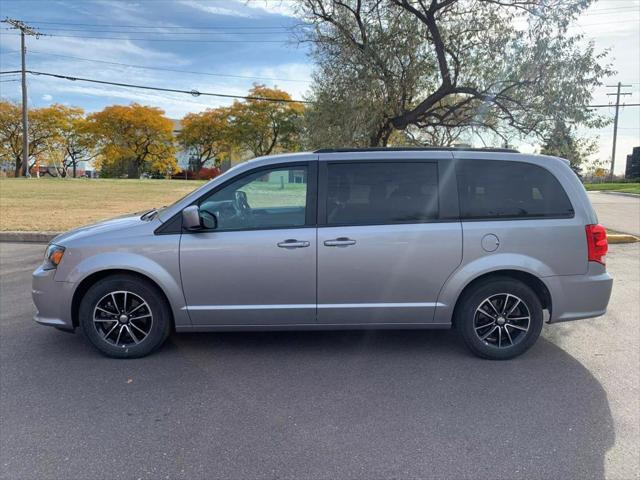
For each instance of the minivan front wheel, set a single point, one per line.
(500, 318)
(124, 316)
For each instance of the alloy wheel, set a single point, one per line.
(502, 320)
(122, 318)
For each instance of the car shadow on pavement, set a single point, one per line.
(401, 404)
(349, 404)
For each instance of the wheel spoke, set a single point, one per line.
(139, 329)
(505, 303)
(488, 333)
(484, 326)
(124, 307)
(105, 320)
(136, 308)
(508, 335)
(141, 316)
(119, 334)
(513, 307)
(111, 331)
(518, 318)
(493, 307)
(132, 335)
(499, 337)
(106, 311)
(115, 304)
(484, 312)
(517, 327)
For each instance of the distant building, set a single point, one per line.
(633, 164)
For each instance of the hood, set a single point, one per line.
(101, 228)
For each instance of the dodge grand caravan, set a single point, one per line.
(489, 242)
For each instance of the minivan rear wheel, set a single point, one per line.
(124, 316)
(499, 318)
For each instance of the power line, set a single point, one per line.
(195, 93)
(128, 32)
(205, 27)
(161, 39)
(164, 69)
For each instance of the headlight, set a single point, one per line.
(52, 257)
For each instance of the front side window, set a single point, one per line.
(274, 198)
(363, 193)
(499, 189)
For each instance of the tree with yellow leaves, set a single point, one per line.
(44, 131)
(206, 136)
(264, 127)
(134, 139)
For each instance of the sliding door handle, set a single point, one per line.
(293, 243)
(339, 242)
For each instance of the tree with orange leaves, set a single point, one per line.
(134, 139)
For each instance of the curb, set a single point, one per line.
(621, 194)
(621, 238)
(27, 237)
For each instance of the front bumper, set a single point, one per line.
(52, 300)
(575, 297)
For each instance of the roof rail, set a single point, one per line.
(415, 149)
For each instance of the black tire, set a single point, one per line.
(131, 343)
(471, 320)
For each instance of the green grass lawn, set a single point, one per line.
(55, 204)
(614, 187)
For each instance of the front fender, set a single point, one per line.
(167, 277)
(467, 273)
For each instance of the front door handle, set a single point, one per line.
(339, 242)
(293, 243)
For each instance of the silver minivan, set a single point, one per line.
(490, 242)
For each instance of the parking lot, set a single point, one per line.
(382, 404)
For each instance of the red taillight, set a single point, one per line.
(597, 245)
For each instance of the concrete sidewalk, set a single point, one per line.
(617, 212)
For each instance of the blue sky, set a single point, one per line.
(244, 38)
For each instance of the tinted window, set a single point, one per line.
(496, 189)
(377, 193)
(265, 199)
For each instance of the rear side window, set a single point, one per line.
(381, 193)
(497, 189)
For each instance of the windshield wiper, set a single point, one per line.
(150, 214)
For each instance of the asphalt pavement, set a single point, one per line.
(617, 212)
(334, 405)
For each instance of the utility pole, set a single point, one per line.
(618, 93)
(24, 30)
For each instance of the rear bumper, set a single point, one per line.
(574, 297)
(52, 300)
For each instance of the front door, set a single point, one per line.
(385, 248)
(258, 266)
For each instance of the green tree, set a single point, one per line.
(563, 142)
(499, 67)
(263, 127)
(134, 139)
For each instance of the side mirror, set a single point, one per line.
(195, 219)
(191, 218)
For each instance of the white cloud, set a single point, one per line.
(245, 8)
(46, 97)
(218, 10)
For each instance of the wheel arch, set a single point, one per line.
(94, 277)
(529, 279)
